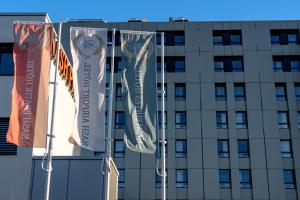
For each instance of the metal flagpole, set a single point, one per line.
(109, 132)
(163, 142)
(50, 135)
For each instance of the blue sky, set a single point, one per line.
(155, 10)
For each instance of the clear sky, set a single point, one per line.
(159, 10)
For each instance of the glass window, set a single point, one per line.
(180, 92)
(179, 66)
(280, 92)
(224, 178)
(297, 92)
(241, 119)
(180, 119)
(159, 91)
(6, 63)
(120, 120)
(159, 119)
(235, 39)
(219, 66)
(220, 91)
(289, 179)
(223, 149)
(181, 178)
(6, 148)
(295, 66)
(119, 149)
(292, 38)
(277, 66)
(243, 148)
(179, 40)
(118, 92)
(245, 179)
(239, 92)
(285, 147)
(275, 39)
(237, 66)
(158, 179)
(181, 149)
(221, 119)
(121, 178)
(283, 120)
(158, 65)
(218, 40)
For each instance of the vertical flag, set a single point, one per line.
(88, 48)
(139, 90)
(28, 119)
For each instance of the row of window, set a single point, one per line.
(224, 178)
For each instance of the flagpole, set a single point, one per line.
(50, 135)
(109, 132)
(163, 143)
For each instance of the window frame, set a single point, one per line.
(279, 88)
(289, 184)
(244, 123)
(180, 125)
(119, 125)
(184, 182)
(225, 184)
(222, 125)
(221, 152)
(223, 95)
(7, 49)
(245, 184)
(119, 153)
(283, 124)
(237, 96)
(241, 152)
(181, 153)
(289, 152)
(181, 96)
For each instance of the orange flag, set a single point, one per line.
(28, 119)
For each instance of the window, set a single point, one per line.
(118, 92)
(221, 119)
(181, 178)
(117, 38)
(120, 120)
(297, 91)
(280, 91)
(223, 149)
(172, 63)
(228, 64)
(6, 59)
(172, 38)
(224, 178)
(283, 120)
(239, 92)
(227, 37)
(298, 119)
(121, 178)
(245, 179)
(181, 149)
(180, 92)
(180, 119)
(243, 148)
(285, 147)
(159, 119)
(241, 119)
(286, 63)
(6, 148)
(289, 179)
(220, 91)
(107, 92)
(119, 149)
(159, 91)
(284, 36)
(158, 179)
(159, 149)
(117, 67)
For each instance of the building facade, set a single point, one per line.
(232, 110)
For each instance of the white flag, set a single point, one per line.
(88, 48)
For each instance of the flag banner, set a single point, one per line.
(88, 48)
(29, 111)
(139, 90)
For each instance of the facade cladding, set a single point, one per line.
(232, 110)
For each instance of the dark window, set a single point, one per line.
(220, 91)
(121, 178)
(283, 119)
(158, 179)
(181, 149)
(120, 120)
(6, 148)
(160, 119)
(241, 119)
(6, 59)
(118, 92)
(297, 91)
(180, 119)
(181, 178)
(221, 117)
(285, 37)
(227, 37)
(286, 63)
(224, 178)
(223, 149)
(159, 91)
(119, 149)
(172, 38)
(117, 38)
(172, 63)
(180, 91)
(289, 179)
(243, 148)
(280, 91)
(228, 64)
(245, 179)
(285, 147)
(239, 92)
(117, 67)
